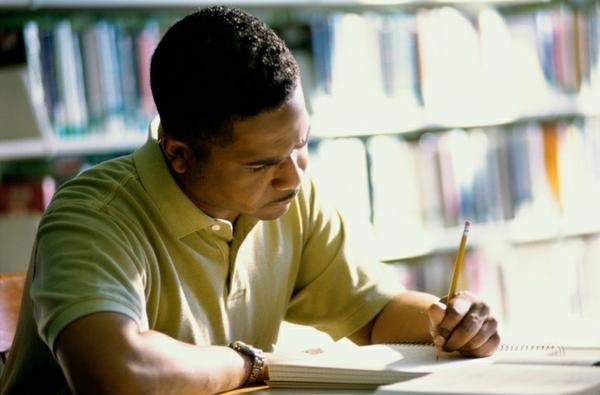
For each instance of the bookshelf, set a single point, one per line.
(348, 108)
(73, 4)
(89, 145)
(514, 81)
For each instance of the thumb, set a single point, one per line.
(436, 313)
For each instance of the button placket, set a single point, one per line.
(222, 232)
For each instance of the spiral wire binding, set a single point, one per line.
(556, 350)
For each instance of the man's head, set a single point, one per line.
(218, 65)
(235, 127)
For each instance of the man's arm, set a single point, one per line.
(465, 324)
(105, 353)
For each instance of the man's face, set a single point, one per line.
(260, 172)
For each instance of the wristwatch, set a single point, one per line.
(257, 357)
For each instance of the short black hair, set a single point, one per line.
(217, 65)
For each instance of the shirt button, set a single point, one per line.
(216, 227)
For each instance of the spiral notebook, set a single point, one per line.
(367, 367)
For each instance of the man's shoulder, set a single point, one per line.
(99, 184)
(111, 170)
(105, 199)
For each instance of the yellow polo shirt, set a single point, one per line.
(123, 237)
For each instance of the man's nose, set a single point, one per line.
(290, 172)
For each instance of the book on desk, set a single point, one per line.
(407, 369)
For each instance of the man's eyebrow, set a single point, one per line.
(276, 160)
(262, 162)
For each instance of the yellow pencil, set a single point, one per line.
(459, 260)
(456, 272)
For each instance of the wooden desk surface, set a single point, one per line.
(248, 390)
(265, 390)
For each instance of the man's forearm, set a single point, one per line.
(105, 353)
(179, 368)
(404, 319)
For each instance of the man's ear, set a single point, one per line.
(178, 153)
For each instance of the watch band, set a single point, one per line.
(258, 360)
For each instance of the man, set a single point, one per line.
(147, 267)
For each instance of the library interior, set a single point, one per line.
(424, 114)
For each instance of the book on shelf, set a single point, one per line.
(429, 176)
(395, 191)
(452, 76)
(399, 58)
(562, 36)
(457, 176)
(84, 76)
(146, 40)
(70, 112)
(320, 30)
(346, 366)
(26, 196)
(355, 57)
(542, 60)
(21, 97)
(340, 171)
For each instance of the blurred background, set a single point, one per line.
(424, 114)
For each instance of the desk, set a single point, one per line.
(265, 390)
(282, 391)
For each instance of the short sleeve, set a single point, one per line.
(85, 262)
(340, 286)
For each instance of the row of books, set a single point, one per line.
(530, 175)
(458, 62)
(531, 172)
(93, 72)
(93, 75)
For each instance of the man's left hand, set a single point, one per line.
(464, 324)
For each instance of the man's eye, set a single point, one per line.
(257, 168)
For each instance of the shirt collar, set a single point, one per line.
(177, 210)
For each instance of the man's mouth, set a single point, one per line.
(286, 198)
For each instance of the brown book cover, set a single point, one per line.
(25, 196)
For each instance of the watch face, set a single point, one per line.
(244, 348)
(258, 361)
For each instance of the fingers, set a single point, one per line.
(456, 310)
(485, 348)
(467, 326)
(468, 323)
